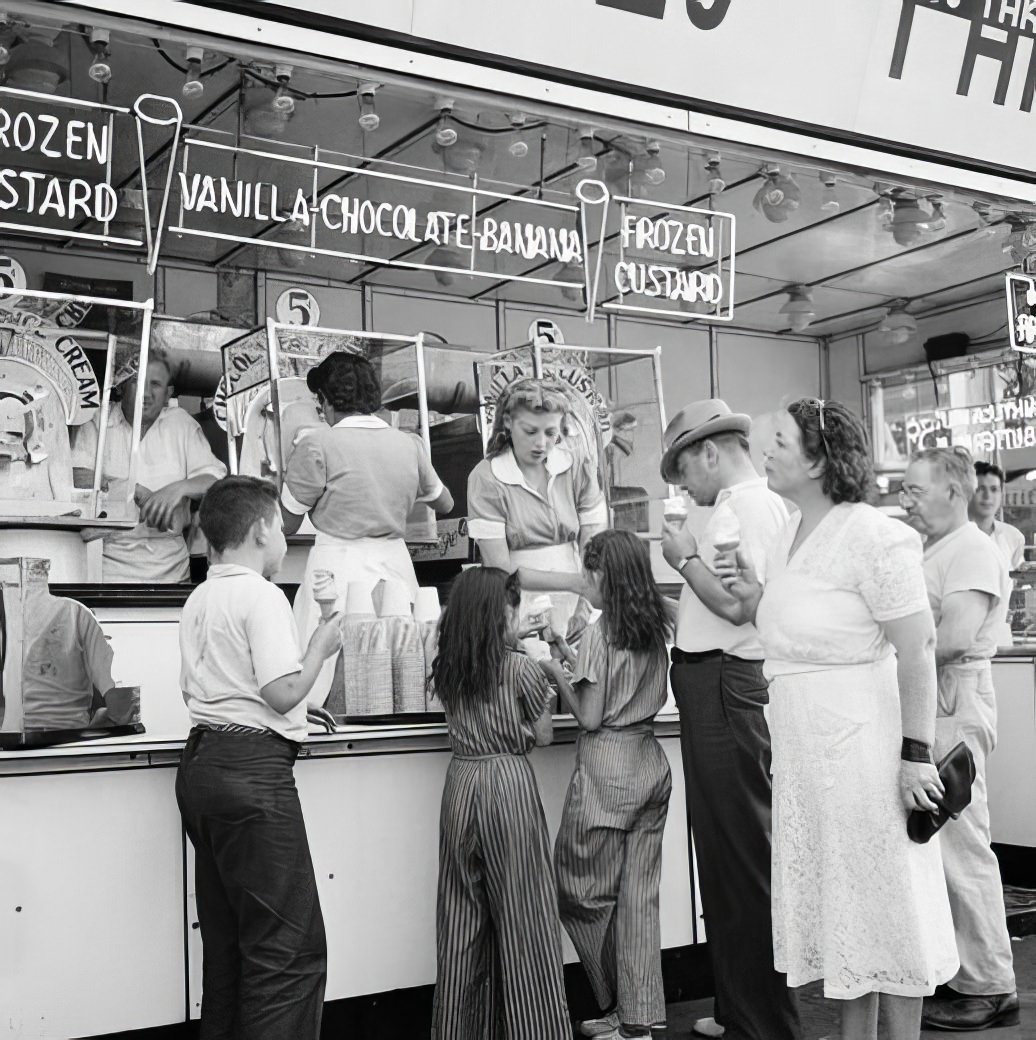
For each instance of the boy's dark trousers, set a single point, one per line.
(265, 953)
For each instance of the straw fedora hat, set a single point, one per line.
(697, 421)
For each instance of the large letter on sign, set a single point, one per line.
(651, 8)
(707, 17)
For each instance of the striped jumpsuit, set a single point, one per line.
(608, 854)
(500, 973)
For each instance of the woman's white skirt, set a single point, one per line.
(855, 901)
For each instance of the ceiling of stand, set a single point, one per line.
(848, 258)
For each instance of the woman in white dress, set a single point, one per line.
(849, 642)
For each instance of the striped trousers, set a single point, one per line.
(608, 858)
(500, 974)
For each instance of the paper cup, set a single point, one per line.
(426, 606)
(395, 600)
(358, 600)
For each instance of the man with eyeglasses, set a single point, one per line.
(968, 588)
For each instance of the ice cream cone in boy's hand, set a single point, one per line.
(325, 593)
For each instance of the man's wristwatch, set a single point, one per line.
(686, 560)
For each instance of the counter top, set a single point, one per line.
(142, 750)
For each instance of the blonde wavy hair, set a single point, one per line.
(531, 395)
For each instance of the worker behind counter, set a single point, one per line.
(175, 468)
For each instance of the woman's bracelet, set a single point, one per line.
(916, 751)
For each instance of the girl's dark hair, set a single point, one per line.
(348, 382)
(633, 610)
(833, 435)
(473, 634)
(231, 506)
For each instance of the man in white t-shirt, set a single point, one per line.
(985, 508)
(175, 467)
(968, 588)
(718, 683)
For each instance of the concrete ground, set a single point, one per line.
(820, 1016)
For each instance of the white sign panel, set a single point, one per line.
(952, 77)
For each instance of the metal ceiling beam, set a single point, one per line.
(870, 264)
(853, 330)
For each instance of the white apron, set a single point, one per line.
(563, 558)
(161, 558)
(366, 560)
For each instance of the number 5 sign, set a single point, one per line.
(1021, 312)
(297, 307)
(12, 276)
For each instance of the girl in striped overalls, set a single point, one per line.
(498, 933)
(609, 848)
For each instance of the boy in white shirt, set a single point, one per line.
(265, 954)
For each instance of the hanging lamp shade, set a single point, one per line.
(779, 196)
(898, 327)
(799, 307)
(36, 65)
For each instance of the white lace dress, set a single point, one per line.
(855, 902)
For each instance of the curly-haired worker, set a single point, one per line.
(358, 479)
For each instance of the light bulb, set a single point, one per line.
(519, 149)
(283, 100)
(829, 200)
(655, 171)
(369, 119)
(100, 68)
(714, 170)
(445, 135)
(587, 158)
(193, 86)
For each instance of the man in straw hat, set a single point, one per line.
(717, 678)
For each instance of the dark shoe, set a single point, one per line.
(634, 1032)
(962, 1014)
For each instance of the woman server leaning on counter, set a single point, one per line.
(358, 479)
(532, 505)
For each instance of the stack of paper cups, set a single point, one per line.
(426, 605)
(395, 600)
(358, 600)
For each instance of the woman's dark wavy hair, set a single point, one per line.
(841, 443)
(633, 610)
(348, 382)
(473, 634)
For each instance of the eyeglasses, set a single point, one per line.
(911, 494)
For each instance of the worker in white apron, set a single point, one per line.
(358, 479)
(532, 504)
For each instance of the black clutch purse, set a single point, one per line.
(957, 772)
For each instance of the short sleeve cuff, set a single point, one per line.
(486, 530)
(215, 469)
(292, 504)
(596, 516)
(432, 495)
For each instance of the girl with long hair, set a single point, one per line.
(608, 854)
(497, 929)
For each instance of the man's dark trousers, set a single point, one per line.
(726, 761)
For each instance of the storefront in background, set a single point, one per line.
(532, 193)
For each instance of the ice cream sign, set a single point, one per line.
(657, 259)
(58, 157)
(1021, 312)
